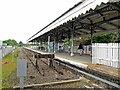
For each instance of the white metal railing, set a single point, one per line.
(68, 48)
(106, 53)
(75, 49)
(6, 50)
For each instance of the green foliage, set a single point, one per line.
(107, 38)
(100, 38)
(116, 38)
(21, 43)
(67, 42)
(11, 42)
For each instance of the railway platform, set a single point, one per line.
(85, 62)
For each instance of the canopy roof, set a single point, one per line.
(102, 18)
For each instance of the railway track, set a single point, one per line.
(84, 72)
(30, 59)
(108, 84)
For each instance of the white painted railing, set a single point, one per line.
(67, 49)
(106, 53)
(6, 50)
(75, 49)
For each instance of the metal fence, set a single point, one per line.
(75, 49)
(106, 53)
(63, 48)
(6, 50)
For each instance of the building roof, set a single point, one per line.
(101, 18)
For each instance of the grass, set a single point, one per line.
(7, 69)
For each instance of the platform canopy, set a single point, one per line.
(85, 18)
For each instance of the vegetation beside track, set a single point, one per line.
(8, 68)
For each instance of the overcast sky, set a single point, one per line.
(20, 19)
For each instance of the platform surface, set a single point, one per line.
(76, 58)
(41, 54)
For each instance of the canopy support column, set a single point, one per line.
(91, 39)
(39, 45)
(72, 37)
(91, 42)
(33, 44)
(48, 43)
(72, 45)
(91, 28)
(54, 45)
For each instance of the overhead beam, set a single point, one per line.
(104, 9)
(115, 5)
(78, 33)
(117, 26)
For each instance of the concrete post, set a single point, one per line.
(36, 60)
(50, 62)
(21, 83)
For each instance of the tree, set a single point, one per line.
(107, 38)
(11, 42)
(20, 43)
